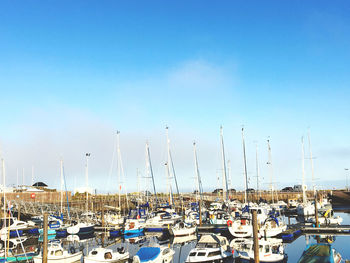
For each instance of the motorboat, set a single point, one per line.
(161, 254)
(272, 227)
(183, 229)
(321, 252)
(211, 248)
(106, 255)
(270, 249)
(56, 253)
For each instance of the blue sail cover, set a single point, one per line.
(148, 253)
(317, 253)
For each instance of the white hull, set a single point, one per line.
(60, 259)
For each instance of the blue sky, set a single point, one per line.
(74, 72)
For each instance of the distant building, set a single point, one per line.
(84, 189)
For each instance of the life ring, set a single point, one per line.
(229, 223)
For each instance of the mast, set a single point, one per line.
(149, 166)
(257, 169)
(121, 172)
(245, 168)
(168, 182)
(32, 174)
(170, 161)
(224, 177)
(271, 170)
(199, 183)
(23, 176)
(229, 177)
(312, 163)
(4, 198)
(61, 173)
(303, 170)
(87, 155)
(17, 178)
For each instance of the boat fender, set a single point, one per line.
(229, 223)
(72, 250)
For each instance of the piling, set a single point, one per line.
(45, 238)
(255, 237)
(19, 212)
(103, 217)
(316, 210)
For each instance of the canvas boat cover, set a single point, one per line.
(148, 253)
(317, 253)
(211, 239)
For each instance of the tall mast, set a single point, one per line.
(17, 178)
(87, 155)
(224, 176)
(245, 168)
(4, 197)
(303, 169)
(23, 176)
(169, 183)
(257, 169)
(149, 166)
(271, 170)
(198, 183)
(312, 162)
(229, 179)
(121, 172)
(32, 174)
(61, 175)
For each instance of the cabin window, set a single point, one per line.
(267, 249)
(201, 254)
(192, 254)
(59, 253)
(52, 252)
(94, 252)
(108, 255)
(214, 253)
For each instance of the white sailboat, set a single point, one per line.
(83, 227)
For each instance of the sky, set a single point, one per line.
(73, 73)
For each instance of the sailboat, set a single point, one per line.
(83, 227)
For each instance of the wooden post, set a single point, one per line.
(316, 210)
(19, 212)
(45, 238)
(103, 217)
(255, 237)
